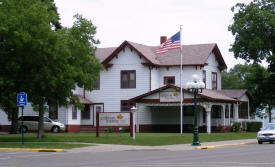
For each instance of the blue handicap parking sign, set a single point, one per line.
(22, 99)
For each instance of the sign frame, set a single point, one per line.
(22, 99)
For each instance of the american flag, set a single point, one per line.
(171, 43)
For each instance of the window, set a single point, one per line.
(45, 119)
(53, 110)
(97, 84)
(232, 111)
(74, 112)
(204, 77)
(128, 79)
(243, 110)
(98, 109)
(85, 114)
(169, 80)
(216, 112)
(214, 80)
(188, 110)
(125, 105)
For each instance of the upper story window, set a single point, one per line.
(214, 80)
(97, 84)
(128, 79)
(169, 80)
(125, 105)
(204, 77)
(53, 110)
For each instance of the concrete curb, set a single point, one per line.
(218, 146)
(32, 149)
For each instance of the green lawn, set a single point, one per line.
(146, 139)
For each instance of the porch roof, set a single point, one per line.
(236, 93)
(83, 100)
(208, 94)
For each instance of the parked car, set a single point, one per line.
(267, 134)
(30, 123)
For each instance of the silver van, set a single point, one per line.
(30, 123)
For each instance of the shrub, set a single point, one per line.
(236, 127)
(253, 126)
(110, 129)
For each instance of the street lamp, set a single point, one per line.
(195, 87)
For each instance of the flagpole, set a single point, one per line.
(180, 82)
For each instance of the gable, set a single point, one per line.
(170, 93)
(193, 55)
(127, 56)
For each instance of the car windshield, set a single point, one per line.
(269, 127)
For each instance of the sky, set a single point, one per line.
(144, 21)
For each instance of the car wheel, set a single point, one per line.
(271, 142)
(23, 129)
(260, 142)
(55, 129)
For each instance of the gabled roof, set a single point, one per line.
(235, 93)
(209, 94)
(192, 54)
(83, 100)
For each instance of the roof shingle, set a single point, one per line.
(192, 54)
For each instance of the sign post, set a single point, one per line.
(21, 102)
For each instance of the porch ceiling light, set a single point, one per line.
(195, 87)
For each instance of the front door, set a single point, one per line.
(97, 108)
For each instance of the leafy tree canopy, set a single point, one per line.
(254, 30)
(42, 60)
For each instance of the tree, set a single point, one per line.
(41, 60)
(253, 29)
(254, 32)
(255, 78)
(15, 20)
(234, 78)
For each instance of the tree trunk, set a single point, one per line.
(40, 122)
(14, 121)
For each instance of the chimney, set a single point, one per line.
(163, 39)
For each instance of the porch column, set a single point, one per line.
(229, 114)
(223, 115)
(208, 121)
(237, 112)
(137, 117)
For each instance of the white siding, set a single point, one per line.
(144, 114)
(62, 117)
(155, 79)
(187, 73)
(110, 92)
(212, 67)
(69, 116)
(4, 118)
(244, 98)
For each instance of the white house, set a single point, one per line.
(135, 75)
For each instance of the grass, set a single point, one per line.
(146, 139)
(41, 145)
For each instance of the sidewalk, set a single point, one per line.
(176, 147)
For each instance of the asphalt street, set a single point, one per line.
(248, 155)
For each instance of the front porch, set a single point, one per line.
(159, 111)
(166, 117)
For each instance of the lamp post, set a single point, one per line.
(195, 87)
